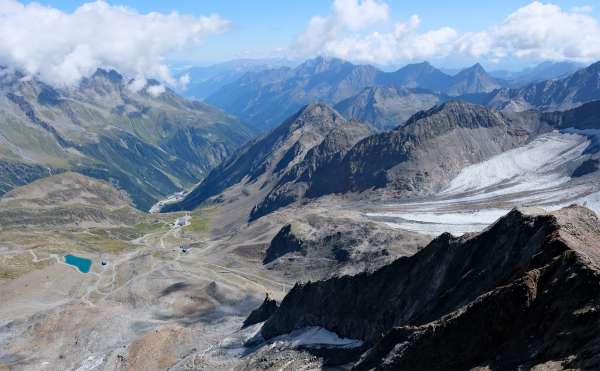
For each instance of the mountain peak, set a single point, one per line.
(318, 115)
(110, 75)
(316, 109)
(477, 68)
(321, 64)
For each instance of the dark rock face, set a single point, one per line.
(327, 155)
(320, 247)
(283, 242)
(523, 292)
(262, 313)
(587, 167)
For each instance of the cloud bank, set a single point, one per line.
(535, 31)
(61, 48)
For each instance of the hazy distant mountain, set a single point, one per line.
(419, 75)
(541, 72)
(290, 151)
(472, 80)
(551, 95)
(204, 81)
(149, 142)
(387, 107)
(265, 98)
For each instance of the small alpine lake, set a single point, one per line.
(83, 264)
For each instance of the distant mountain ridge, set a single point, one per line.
(267, 97)
(551, 95)
(387, 107)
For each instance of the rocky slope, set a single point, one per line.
(387, 107)
(147, 142)
(416, 159)
(520, 294)
(428, 150)
(315, 134)
(317, 247)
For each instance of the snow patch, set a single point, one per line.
(316, 337)
(91, 363)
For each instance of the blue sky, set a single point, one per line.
(507, 34)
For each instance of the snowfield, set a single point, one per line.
(536, 174)
(541, 164)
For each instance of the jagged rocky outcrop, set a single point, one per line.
(106, 127)
(284, 242)
(262, 313)
(522, 293)
(319, 247)
(315, 134)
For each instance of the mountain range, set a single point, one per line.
(267, 97)
(360, 220)
(147, 144)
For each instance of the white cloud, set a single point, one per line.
(356, 14)
(184, 80)
(353, 15)
(61, 48)
(156, 90)
(137, 84)
(535, 31)
(538, 30)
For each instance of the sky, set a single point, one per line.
(63, 40)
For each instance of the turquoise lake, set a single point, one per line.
(83, 264)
